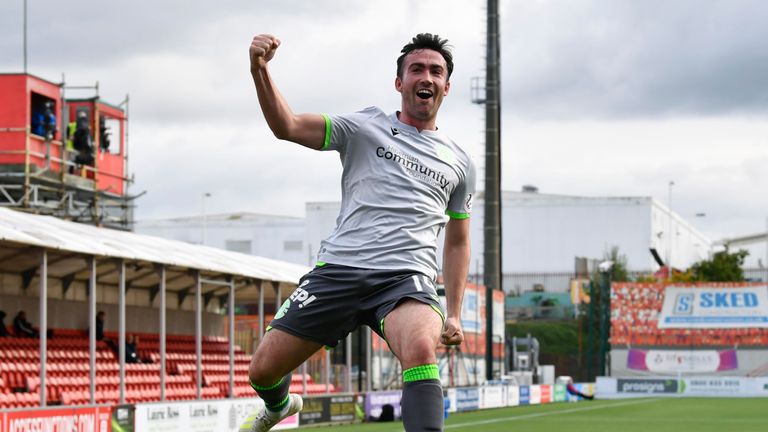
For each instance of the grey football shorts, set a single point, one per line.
(333, 300)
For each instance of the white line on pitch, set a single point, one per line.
(548, 413)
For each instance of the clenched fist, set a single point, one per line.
(262, 50)
(452, 333)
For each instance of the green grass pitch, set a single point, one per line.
(627, 415)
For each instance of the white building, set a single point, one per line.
(271, 236)
(541, 233)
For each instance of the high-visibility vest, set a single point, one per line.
(71, 127)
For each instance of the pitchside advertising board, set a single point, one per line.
(713, 386)
(374, 401)
(714, 307)
(684, 361)
(467, 399)
(207, 416)
(65, 419)
(328, 409)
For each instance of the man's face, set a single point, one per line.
(423, 85)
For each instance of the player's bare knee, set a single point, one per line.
(261, 375)
(419, 351)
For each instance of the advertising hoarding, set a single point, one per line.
(713, 307)
(525, 395)
(201, 416)
(492, 396)
(375, 400)
(535, 394)
(96, 419)
(513, 395)
(467, 399)
(546, 393)
(558, 393)
(687, 361)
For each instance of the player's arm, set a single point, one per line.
(305, 129)
(455, 270)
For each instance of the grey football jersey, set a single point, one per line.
(399, 188)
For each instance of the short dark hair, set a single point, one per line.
(426, 41)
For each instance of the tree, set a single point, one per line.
(724, 266)
(619, 272)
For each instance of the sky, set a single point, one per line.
(599, 97)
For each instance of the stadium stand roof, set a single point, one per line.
(25, 230)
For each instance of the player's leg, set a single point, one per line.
(413, 329)
(278, 354)
(317, 313)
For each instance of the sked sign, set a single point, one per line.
(714, 307)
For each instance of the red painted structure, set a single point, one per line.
(41, 174)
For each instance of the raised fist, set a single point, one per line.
(262, 50)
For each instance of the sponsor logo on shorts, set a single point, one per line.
(301, 296)
(283, 309)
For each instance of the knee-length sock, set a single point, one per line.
(422, 402)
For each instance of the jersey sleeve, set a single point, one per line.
(460, 203)
(340, 128)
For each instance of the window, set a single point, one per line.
(242, 246)
(293, 245)
(43, 116)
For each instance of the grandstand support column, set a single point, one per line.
(92, 328)
(121, 326)
(304, 378)
(327, 371)
(163, 299)
(368, 361)
(198, 335)
(231, 321)
(261, 310)
(348, 353)
(43, 322)
(278, 295)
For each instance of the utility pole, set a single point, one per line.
(492, 225)
(25, 37)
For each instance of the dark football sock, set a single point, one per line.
(275, 396)
(422, 402)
